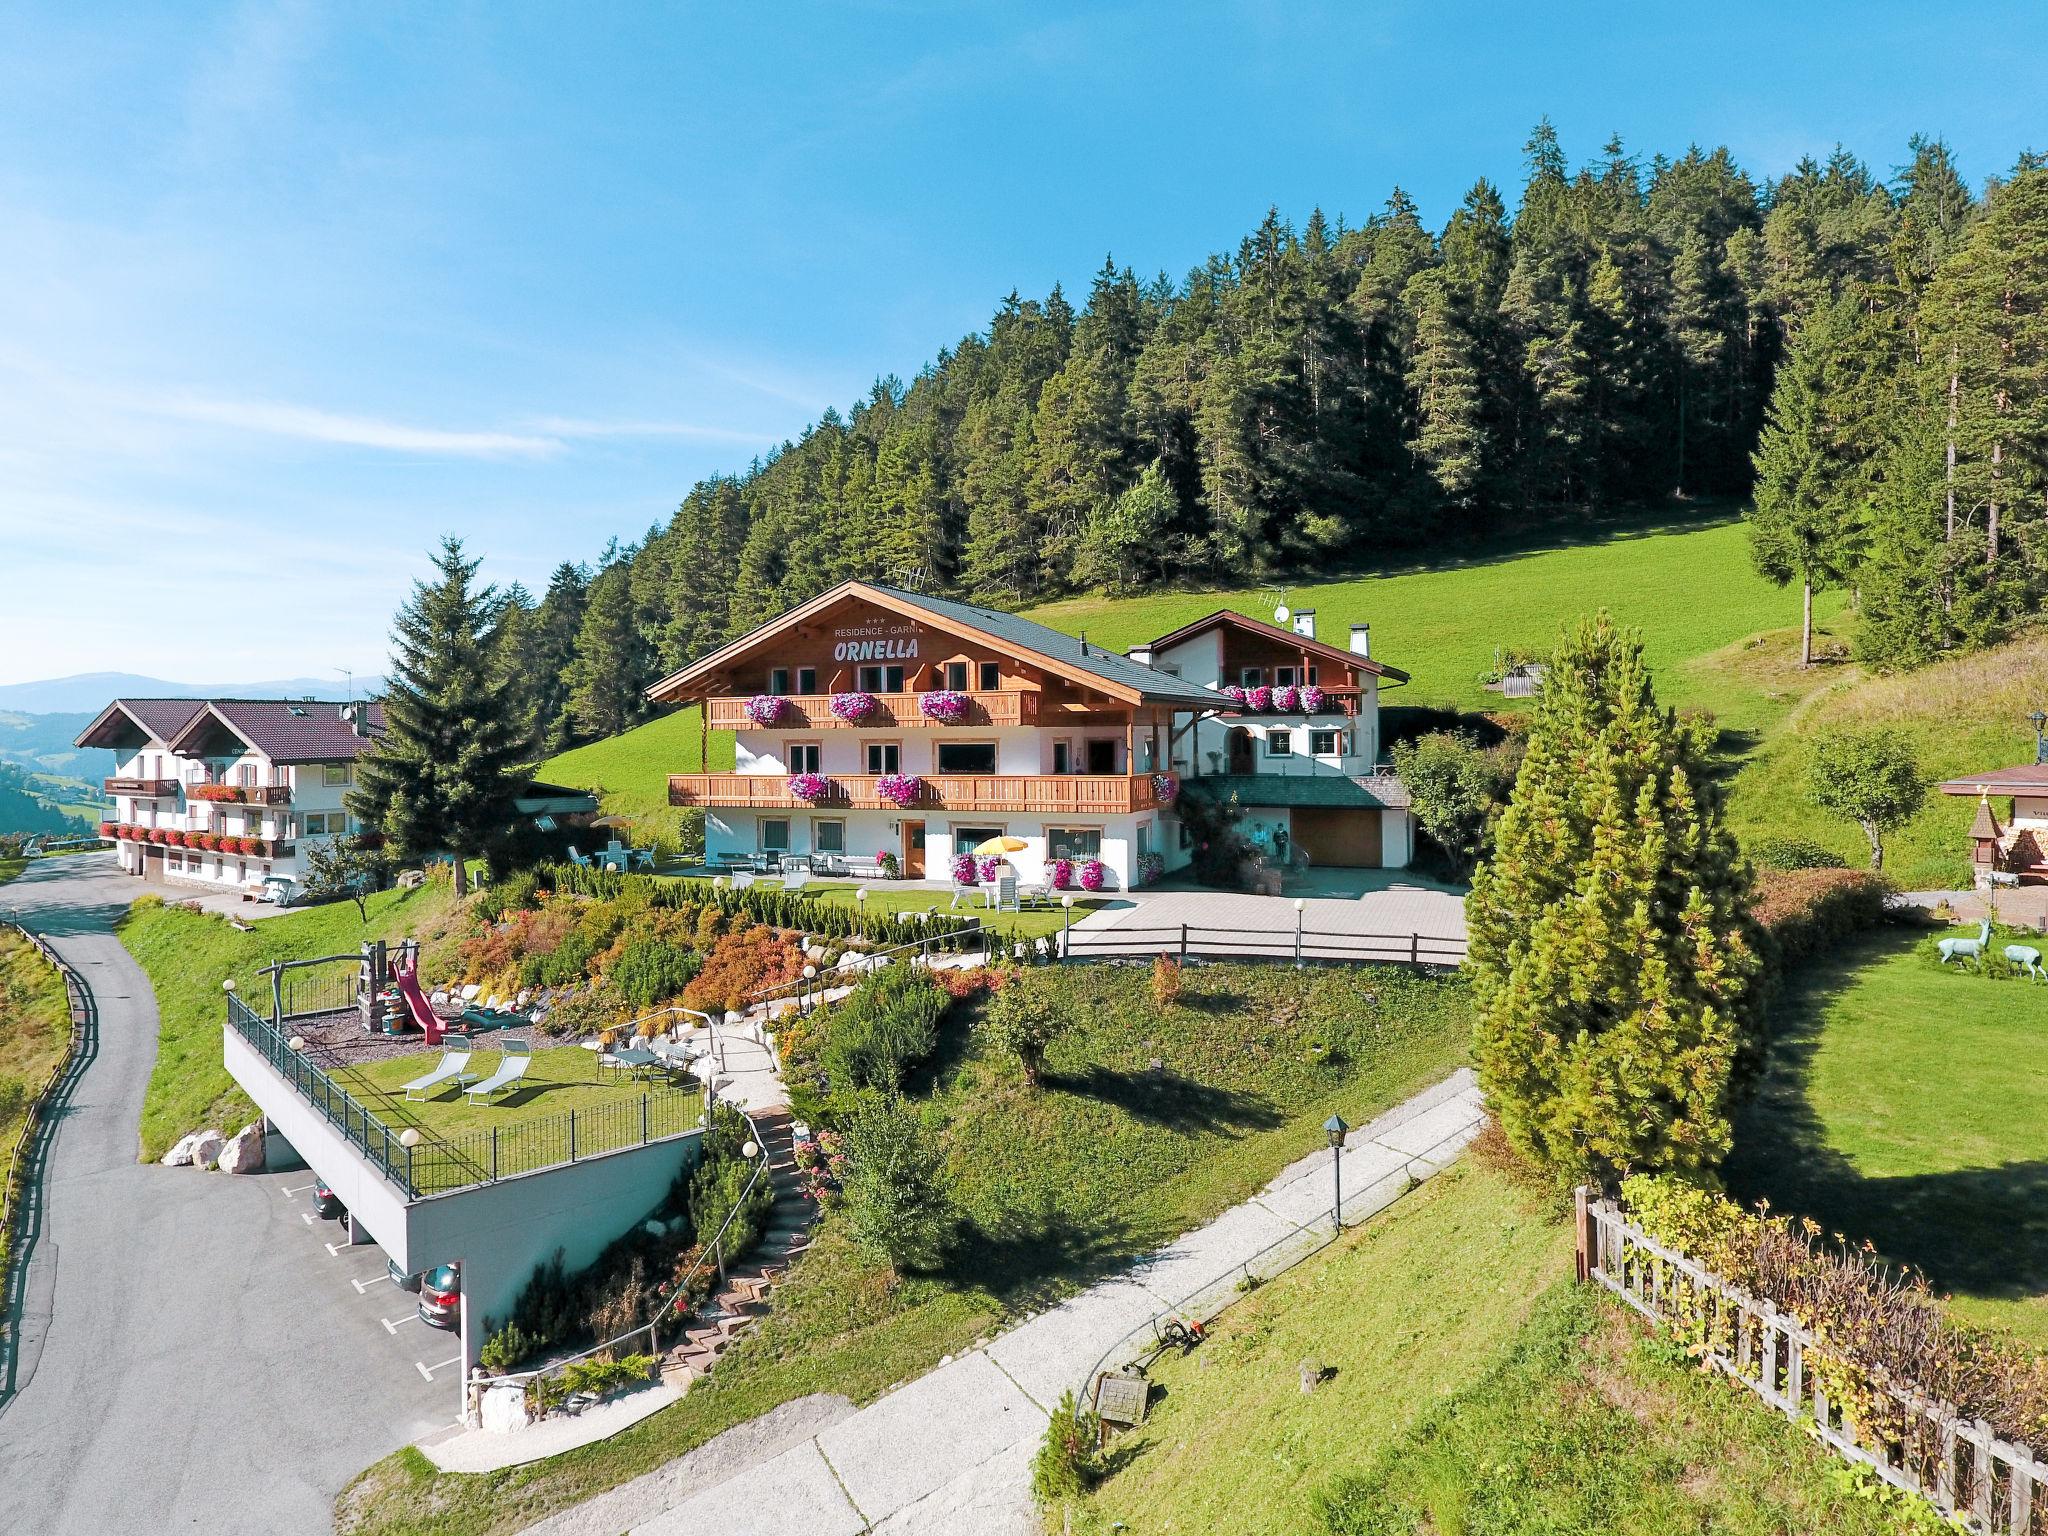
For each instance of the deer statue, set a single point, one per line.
(1966, 949)
(2027, 958)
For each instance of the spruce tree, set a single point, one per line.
(1444, 377)
(447, 771)
(1611, 953)
(613, 662)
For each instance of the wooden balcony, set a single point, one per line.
(240, 794)
(140, 787)
(898, 712)
(1083, 794)
(1336, 701)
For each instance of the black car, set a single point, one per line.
(326, 1204)
(441, 1296)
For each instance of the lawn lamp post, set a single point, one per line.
(860, 907)
(1334, 1128)
(1067, 931)
(1299, 907)
(2039, 720)
(807, 994)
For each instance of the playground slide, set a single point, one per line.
(416, 1003)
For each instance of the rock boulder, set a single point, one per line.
(244, 1154)
(180, 1156)
(206, 1147)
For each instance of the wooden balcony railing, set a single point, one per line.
(1336, 701)
(898, 711)
(240, 794)
(143, 787)
(1049, 793)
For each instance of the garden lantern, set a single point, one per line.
(1335, 1129)
(1067, 932)
(2039, 720)
(1300, 906)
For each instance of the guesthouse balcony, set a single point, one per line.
(1107, 794)
(240, 794)
(140, 788)
(893, 711)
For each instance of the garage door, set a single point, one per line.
(1342, 839)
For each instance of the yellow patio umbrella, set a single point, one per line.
(1002, 845)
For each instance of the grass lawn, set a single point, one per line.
(1108, 1160)
(9, 868)
(630, 771)
(188, 954)
(1902, 1105)
(530, 1120)
(35, 1027)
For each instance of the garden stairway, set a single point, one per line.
(750, 1281)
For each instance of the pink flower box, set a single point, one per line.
(1260, 699)
(854, 708)
(1062, 873)
(1164, 788)
(1091, 874)
(945, 705)
(899, 789)
(767, 709)
(964, 869)
(809, 787)
(1311, 699)
(1285, 699)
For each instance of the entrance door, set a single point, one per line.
(1239, 745)
(913, 850)
(1102, 756)
(153, 864)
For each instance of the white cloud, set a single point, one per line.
(317, 426)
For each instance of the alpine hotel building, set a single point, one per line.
(871, 720)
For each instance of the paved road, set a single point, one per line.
(200, 1360)
(1264, 925)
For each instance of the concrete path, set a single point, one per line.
(951, 1451)
(193, 1355)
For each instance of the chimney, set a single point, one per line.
(1305, 623)
(1361, 639)
(1084, 642)
(353, 714)
(1141, 654)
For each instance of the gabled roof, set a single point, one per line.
(286, 730)
(2027, 779)
(1074, 659)
(1231, 618)
(158, 719)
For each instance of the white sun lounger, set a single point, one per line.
(518, 1057)
(449, 1071)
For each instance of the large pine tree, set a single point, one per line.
(1611, 953)
(445, 774)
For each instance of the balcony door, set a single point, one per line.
(1101, 756)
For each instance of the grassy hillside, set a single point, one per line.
(630, 771)
(187, 954)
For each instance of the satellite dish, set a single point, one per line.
(1281, 615)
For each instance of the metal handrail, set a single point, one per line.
(709, 1252)
(75, 995)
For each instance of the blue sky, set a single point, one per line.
(288, 290)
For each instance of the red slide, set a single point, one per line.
(409, 988)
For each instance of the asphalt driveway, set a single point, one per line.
(193, 1356)
(1372, 920)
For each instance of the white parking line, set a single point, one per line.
(428, 1370)
(364, 1285)
(393, 1324)
(308, 1217)
(290, 1191)
(336, 1250)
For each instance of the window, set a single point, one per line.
(828, 836)
(881, 679)
(775, 835)
(1187, 834)
(991, 677)
(967, 757)
(956, 676)
(317, 824)
(1283, 677)
(1311, 674)
(1073, 842)
(334, 773)
(280, 776)
(1170, 668)
(1252, 677)
(1279, 743)
(806, 679)
(1325, 743)
(246, 775)
(778, 679)
(804, 757)
(1062, 757)
(885, 757)
(967, 839)
(1144, 838)
(1101, 756)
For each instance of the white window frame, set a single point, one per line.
(1325, 733)
(1053, 834)
(334, 774)
(811, 753)
(1251, 677)
(806, 680)
(818, 826)
(940, 747)
(761, 833)
(884, 748)
(1280, 742)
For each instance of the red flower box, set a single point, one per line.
(107, 829)
(175, 839)
(232, 845)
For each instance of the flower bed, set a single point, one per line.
(809, 787)
(1062, 874)
(767, 709)
(945, 705)
(899, 789)
(1092, 874)
(856, 708)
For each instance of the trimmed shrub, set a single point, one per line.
(1023, 1022)
(649, 971)
(741, 964)
(1795, 853)
(885, 1030)
(897, 1198)
(1802, 911)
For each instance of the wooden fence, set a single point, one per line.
(1185, 939)
(1907, 1438)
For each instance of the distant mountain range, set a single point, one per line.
(90, 691)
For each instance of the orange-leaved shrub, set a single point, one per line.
(741, 964)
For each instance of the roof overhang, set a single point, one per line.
(186, 742)
(2027, 779)
(105, 729)
(680, 687)
(1231, 618)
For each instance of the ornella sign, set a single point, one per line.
(875, 642)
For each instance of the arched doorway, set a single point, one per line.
(1237, 743)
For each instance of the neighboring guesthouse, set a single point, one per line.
(872, 721)
(2012, 849)
(227, 793)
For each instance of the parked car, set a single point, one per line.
(326, 1204)
(441, 1296)
(404, 1281)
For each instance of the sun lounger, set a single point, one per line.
(518, 1057)
(449, 1071)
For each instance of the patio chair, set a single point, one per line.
(1003, 895)
(451, 1070)
(511, 1068)
(968, 889)
(581, 861)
